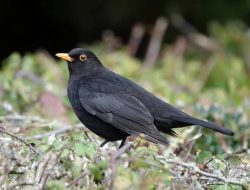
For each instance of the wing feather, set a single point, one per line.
(122, 111)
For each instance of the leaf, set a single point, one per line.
(78, 137)
(124, 180)
(234, 160)
(138, 163)
(76, 167)
(97, 170)
(57, 144)
(55, 185)
(203, 157)
(65, 153)
(81, 149)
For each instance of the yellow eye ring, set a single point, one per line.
(82, 57)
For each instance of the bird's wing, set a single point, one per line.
(124, 112)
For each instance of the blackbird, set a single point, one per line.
(114, 107)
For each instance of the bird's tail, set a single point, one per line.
(206, 124)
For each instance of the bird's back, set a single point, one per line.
(165, 116)
(109, 82)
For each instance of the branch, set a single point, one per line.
(77, 179)
(135, 39)
(122, 150)
(51, 170)
(55, 132)
(193, 35)
(19, 139)
(191, 146)
(155, 42)
(113, 158)
(21, 184)
(210, 175)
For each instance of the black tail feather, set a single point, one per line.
(206, 124)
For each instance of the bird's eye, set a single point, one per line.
(82, 57)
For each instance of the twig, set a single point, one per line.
(197, 170)
(155, 42)
(49, 173)
(180, 47)
(240, 151)
(113, 157)
(189, 150)
(122, 150)
(77, 179)
(135, 39)
(44, 168)
(21, 184)
(205, 72)
(191, 146)
(45, 181)
(21, 140)
(55, 132)
(87, 135)
(193, 35)
(21, 118)
(173, 185)
(210, 160)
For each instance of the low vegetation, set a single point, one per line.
(43, 146)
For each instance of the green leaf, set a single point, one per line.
(76, 167)
(78, 137)
(203, 157)
(55, 185)
(138, 163)
(65, 153)
(97, 170)
(234, 160)
(84, 150)
(57, 144)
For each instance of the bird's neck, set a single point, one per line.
(85, 72)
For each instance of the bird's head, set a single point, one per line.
(80, 60)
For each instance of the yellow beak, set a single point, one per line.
(65, 56)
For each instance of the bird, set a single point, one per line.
(114, 107)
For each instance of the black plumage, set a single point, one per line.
(114, 107)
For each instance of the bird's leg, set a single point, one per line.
(103, 143)
(122, 143)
